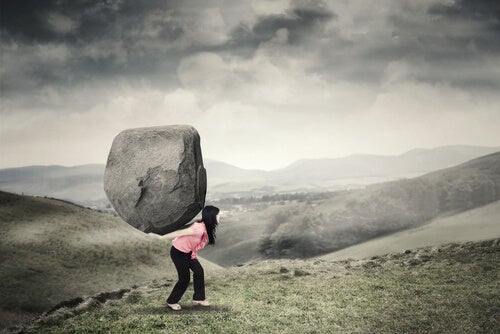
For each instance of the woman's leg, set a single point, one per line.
(181, 261)
(198, 280)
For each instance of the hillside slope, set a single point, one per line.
(453, 289)
(52, 251)
(381, 209)
(472, 225)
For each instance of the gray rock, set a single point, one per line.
(155, 178)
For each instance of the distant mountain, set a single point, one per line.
(84, 184)
(45, 172)
(221, 172)
(349, 172)
(80, 184)
(417, 161)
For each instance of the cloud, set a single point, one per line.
(61, 24)
(318, 78)
(299, 22)
(146, 41)
(102, 40)
(302, 21)
(452, 42)
(478, 10)
(314, 119)
(442, 47)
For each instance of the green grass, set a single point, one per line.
(472, 225)
(453, 289)
(52, 251)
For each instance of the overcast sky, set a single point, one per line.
(264, 82)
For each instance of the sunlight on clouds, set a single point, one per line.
(276, 76)
(269, 7)
(86, 136)
(208, 76)
(251, 133)
(407, 112)
(210, 28)
(247, 135)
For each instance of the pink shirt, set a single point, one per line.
(194, 242)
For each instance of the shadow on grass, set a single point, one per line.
(186, 309)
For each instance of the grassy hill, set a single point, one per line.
(472, 225)
(305, 226)
(52, 251)
(453, 289)
(239, 233)
(301, 230)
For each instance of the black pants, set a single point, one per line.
(183, 263)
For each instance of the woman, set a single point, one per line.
(183, 252)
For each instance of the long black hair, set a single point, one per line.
(208, 216)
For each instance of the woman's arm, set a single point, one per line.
(175, 234)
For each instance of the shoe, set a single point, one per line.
(201, 303)
(175, 307)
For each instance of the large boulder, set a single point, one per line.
(155, 178)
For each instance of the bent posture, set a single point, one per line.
(184, 253)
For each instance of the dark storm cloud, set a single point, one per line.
(482, 10)
(29, 20)
(484, 13)
(443, 43)
(102, 39)
(300, 22)
(454, 44)
(24, 20)
(58, 44)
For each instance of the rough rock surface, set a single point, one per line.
(155, 178)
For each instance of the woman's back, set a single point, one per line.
(188, 243)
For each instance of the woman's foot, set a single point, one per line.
(175, 307)
(201, 303)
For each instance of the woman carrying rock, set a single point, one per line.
(184, 251)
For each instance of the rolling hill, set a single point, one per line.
(301, 230)
(473, 225)
(52, 251)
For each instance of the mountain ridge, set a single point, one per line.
(83, 184)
